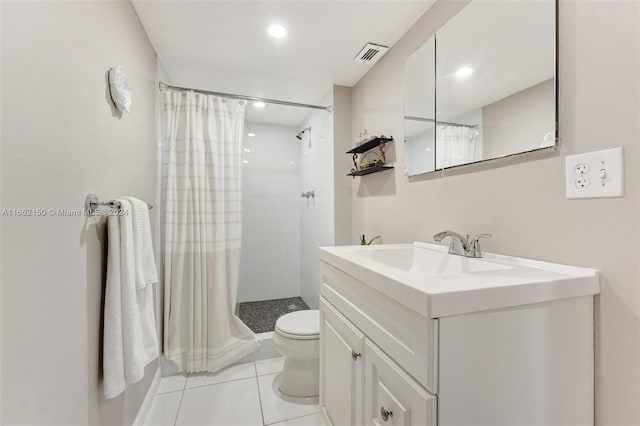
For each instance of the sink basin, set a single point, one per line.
(424, 260)
(429, 280)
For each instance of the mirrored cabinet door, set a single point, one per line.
(419, 110)
(495, 85)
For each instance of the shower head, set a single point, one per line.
(302, 132)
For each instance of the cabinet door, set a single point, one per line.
(341, 367)
(392, 397)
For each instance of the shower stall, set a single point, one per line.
(284, 150)
(283, 224)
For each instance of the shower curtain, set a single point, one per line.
(202, 137)
(455, 145)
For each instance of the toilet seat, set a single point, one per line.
(299, 325)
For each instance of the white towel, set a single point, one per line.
(146, 274)
(112, 359)
(128, 312)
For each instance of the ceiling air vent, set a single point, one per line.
(371, 53)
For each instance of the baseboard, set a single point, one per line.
(267, 349)
(168, 367)
(148, 399)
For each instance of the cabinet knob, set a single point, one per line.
(355, 355)
(385, 413)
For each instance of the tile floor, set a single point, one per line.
(241, 395)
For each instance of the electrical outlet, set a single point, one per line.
(595, 174)
(582, 169)
(582, 182)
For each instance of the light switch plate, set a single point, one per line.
(597, 174)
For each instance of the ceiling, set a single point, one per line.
(223, 46)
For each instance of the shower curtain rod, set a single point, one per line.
(446, 123)
(164, 86)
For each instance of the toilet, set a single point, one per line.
(297, 338)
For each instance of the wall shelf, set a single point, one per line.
(370, 144)
(367, 171)
(375, 166)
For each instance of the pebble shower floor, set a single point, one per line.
(261, 316)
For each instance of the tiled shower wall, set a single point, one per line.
(317, 216)
(270, 262)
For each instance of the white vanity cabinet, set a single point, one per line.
(391, 396)
(488, 358)
(360, 384)
(341, 367)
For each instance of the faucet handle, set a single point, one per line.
(474, 245)
(476, 239)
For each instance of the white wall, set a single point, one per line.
(166, 367)
(522, 201)
(317, 218)
(271, 203)
(342, 163)
(61, 140)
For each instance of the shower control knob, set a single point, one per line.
(355, 355)
(385, 413)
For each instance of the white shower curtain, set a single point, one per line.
(202, 225)
(455, 145)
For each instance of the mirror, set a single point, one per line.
(419, 110)
(490, 72)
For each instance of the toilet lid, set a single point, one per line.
(300, 323)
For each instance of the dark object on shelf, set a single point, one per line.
(368, 171)
(370, 144)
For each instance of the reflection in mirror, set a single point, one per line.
(419, 110)
(495, 70)
(495, 84)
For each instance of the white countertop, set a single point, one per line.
(434, 283)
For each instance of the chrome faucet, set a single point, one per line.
(459, 245)
(462, 246)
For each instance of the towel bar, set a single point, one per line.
(92, 203)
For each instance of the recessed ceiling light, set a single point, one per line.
(251, 134)
(428, 150)
(247, 150)
(259, 104)
(245, 161)
(277, 31)
(464, 71)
